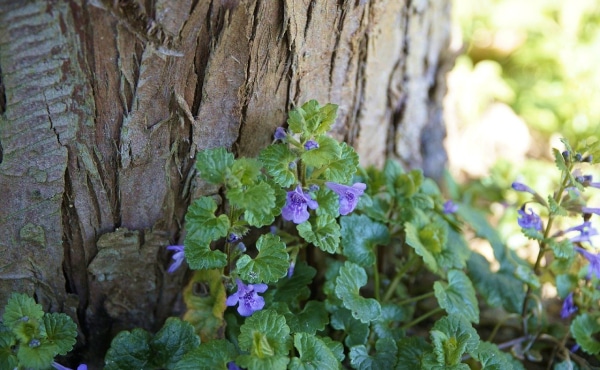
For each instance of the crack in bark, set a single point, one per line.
(52, 127)
(2, 102)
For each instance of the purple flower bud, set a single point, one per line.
(590, 210)
(568, 307)
(518, 186)
(247, 297)
(241, 247)
(311, 144)
(349, 195)
(594, 260)
(232, 238)
(291, 269)
(296, 206)
(566, 155)
(292, 165)
(280, 133)
(450, 207)
(58, 366)
(178, 257)
(530, 220)
(578, 157)
(313, 188)
(232, 366)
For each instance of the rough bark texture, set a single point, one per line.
(104, 104)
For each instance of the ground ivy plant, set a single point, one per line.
(307, 261)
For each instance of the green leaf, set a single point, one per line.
(328, 151)
(388, 325)
(213, 355)
(36, 357)
(129, 350)
(311, 319)
(61, 332)
(8, 359)
(201, 223)
(411, 351)
(271, 263)
(295, 289)
(314, 354)
(347, 288)
(559, 160)
(246, 170)
(412, 239)
(266, 336)
(356, 332)
(212, 164)
(452, 336)
(172, 342)
(583, 328)
(276, 159)
(312, 119)
(335, 347)
(360, 235)
(385, 355)
(324, 232)
(566, 365)
(492, 358)
(329, 202)
(562, 249)
(21, 309)
(201, 257)
(458, 296)
(342, 169)
(258, 201)
(555, 208)
(501, 288)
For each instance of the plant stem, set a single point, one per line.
(392, 288)
(421, 318)
(415, 299)
(376, 276)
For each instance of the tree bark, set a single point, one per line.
(104, 104)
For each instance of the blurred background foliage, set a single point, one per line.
(528, 74)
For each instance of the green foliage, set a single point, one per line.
(31, 338)
(457, 297)
(269, 265)
(347, 286)
(584, 328)
(313, 354)
(214, 164)
(451, 337)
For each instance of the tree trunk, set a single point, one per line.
(104, 104)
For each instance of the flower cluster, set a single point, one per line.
(247, 297)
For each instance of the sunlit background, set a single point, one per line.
(528, 74)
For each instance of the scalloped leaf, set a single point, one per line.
(583, 328)
(276, 159)
(21, 309)
(314, 354)
(295, 289)
(347, 288)
(246, 170)
(213, 355)
(213, 164)
(360, 235)
(129, 350)
(385, 355)
(172, 342)
(322, 231)
(313, 317)
(492, 358)
(343, 168)
(257, 200)
(201, 223)
(356, 332)
(451, 337)
(8, 359)
(388, 325)
(36, 357)
(201, 257)
(411, 351)
(266, 336)
(328, 151)
(61, 331)
(412, 239)
(271, 263)
(458, 296)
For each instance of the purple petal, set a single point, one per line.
(530, 220)
(348, 195)
(518, 186)
(280, 133)
(568, 307)
(295, 208)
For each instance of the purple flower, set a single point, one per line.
(349, 195)
(450, 207)
(247, 297)
(280, 133)
(58, 366)
(177, 257)
(590, 210)
(311, 144)
(530, 220)
(585, 232)
(568, 307)
(594, 261)
(518, 186)
(232, 366)
(291, 269)
(296, 203)
(233, 237)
